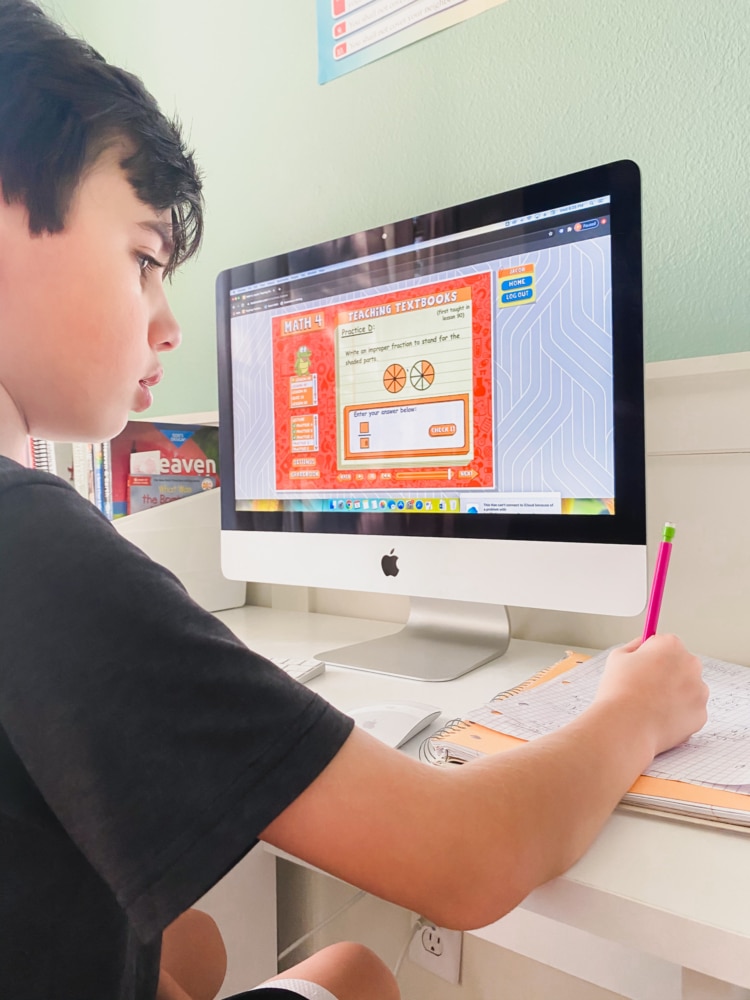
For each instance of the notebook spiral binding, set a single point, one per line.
(432, 753)
(535, 678)
(43, 455)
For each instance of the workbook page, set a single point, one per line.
(717, 755)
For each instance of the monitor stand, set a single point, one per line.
(441, 641)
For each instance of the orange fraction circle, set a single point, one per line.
(422, 375)
(394, 378)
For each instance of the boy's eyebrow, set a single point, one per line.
(164, 231)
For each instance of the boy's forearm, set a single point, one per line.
(552, 797)
(465, 845)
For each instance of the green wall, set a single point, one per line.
(528, 90)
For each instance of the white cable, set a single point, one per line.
(417, 925)
(342, 909)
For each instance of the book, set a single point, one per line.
(162, 448)
(145, 492)
(104, 470)
(706, 778)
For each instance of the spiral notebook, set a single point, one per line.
(706, 778)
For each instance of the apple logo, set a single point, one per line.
(390, 564)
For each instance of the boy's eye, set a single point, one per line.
(148, 264)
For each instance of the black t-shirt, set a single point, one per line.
(143, 748)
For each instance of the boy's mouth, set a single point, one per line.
(153, 379)
(145, 399)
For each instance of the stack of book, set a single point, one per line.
(149, 464)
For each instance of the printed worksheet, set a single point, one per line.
(718, 755)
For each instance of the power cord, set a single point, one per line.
(417, 925)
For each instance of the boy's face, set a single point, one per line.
(83, 314)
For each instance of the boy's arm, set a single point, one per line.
(464, 845)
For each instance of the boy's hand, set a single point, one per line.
(662, 682)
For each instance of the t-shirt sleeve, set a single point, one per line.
(160, 742)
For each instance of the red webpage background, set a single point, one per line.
(296, 471)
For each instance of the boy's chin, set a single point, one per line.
(86, 427)
(103, 430)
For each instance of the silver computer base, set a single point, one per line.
(441, 641)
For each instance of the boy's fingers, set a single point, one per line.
(631, 646)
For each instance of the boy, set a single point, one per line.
(133, 727)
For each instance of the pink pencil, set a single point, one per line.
(660, 578)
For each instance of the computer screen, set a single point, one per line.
(448, 407)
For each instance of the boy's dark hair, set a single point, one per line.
(61, 106)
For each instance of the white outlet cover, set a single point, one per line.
(447, 965)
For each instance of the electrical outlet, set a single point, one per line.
(438, 950)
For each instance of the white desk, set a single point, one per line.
(649, 895)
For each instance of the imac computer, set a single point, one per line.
(449, 407)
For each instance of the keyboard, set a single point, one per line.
(302, 670)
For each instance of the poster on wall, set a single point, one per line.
(352, 33)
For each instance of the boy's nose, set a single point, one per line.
(164, 330)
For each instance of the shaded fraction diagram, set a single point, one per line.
(394, 378)
(422, 375)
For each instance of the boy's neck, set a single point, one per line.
(13, 431)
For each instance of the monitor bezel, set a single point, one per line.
(619, 180)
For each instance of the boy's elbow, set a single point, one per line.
(467, 903)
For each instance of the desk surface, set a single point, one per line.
(675, 889)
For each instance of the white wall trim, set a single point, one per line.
(712, 364)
